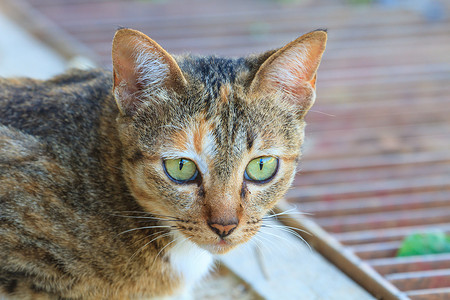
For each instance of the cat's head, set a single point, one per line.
(212, 143)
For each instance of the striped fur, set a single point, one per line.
(87, 210)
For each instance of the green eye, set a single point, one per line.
(261, 168)
(180, 169)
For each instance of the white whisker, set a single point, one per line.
(289, 211)
(323, 113)
(269, 241)
(148, 243)
(293, 231)
(277, 237)
(152, 214)
(147, 218)
(146, 227)
(285, 227)
(148, 236)
(174, 240)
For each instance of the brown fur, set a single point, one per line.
(87, 210)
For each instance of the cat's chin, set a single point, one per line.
(218, 248)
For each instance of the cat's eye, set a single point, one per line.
(181, 169)
(261, 169)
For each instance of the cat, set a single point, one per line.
(125, 185)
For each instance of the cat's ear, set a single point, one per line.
(141, 65)
(290, 72)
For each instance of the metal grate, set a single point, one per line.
(377, 160)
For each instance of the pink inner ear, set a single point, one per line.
(294, 68)
(140, 63)
(290, 73)
(125, 75)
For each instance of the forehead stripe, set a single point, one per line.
(199, 134)
(197, 140)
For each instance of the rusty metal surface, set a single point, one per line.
(377, 160)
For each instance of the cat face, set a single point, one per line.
(211, 144)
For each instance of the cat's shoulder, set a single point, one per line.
(24, 169)
(17, 146)
(23, 158)
(17, 92)
(64, 108)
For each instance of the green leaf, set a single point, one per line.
(425, 243)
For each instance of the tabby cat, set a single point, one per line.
(126, 185)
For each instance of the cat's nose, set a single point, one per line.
(223, 230)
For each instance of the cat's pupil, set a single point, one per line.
(261, 164)
(181, 164)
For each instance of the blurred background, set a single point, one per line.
(376, 168)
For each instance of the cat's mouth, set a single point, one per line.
(222, 243)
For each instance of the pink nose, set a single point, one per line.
(223, 230)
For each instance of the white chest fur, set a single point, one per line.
(190, 261)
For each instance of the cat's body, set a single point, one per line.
(88, 206)
(57, 157)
